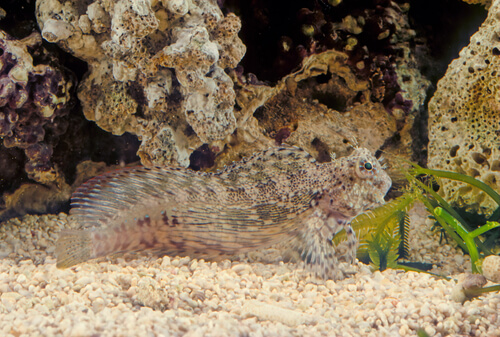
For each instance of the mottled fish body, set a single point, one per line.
(277, 195)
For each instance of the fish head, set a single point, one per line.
(358, 182)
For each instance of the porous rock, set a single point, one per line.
(464, 116)
(35, 97)
(157, 71)
(341, 94)
(156, 68)
(323, 107)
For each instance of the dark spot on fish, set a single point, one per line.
(179, 245)
(149, 244)
(144, 222)
(175, 222)
(164, 218)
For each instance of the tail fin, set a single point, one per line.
(73, 247)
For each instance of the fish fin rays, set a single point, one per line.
(103, 198)
(73, 247)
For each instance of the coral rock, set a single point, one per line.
(34, 98)
(464, 115)
(304, 111)
(156, 68)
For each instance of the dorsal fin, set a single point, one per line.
(103, 197)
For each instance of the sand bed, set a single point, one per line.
(250, 296)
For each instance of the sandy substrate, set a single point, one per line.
(251, 296)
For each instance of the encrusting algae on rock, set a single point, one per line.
(278, 195)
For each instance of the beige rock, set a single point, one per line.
(491, 268)
(156, 69)
(463, 118)
(286, 113)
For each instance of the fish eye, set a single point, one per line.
(365, 169)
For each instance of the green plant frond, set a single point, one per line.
(416, 170)
(387, 229)
(434, 175)
(404, 231)
(374, 253)
(384, 219)
(376, 219)
(436, 201)
(467, 236)
(382, 250)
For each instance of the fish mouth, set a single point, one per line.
(379, 197)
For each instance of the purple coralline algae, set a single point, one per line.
(35, 96)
